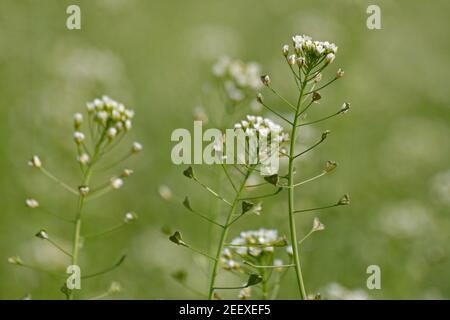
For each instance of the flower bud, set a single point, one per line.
(340, 73)
(265, 80)
(35, 162)
(301, 61)
(42, 234)
(316, 96)
(290, 250)
(292, 59)
(259, 97)
(115, 287)
(345, 200)
(83, 190)
(77, 120)
(126, 173)
(116, 183)
(90, 106)
(83, 158)
(112, 132)
(165, 192)
(15, 260)
(31, 203)
(329, 58)
(136, 147)
(325, 134)
(130, 217)
(317, 78)
(78, 137)
(285, 50)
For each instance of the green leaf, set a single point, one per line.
(253, 279)
(189, 172)
(273, 179)
(176, 238)
(187, 204)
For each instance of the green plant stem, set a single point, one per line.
(292, 227)
(81, 200)
(224, 234)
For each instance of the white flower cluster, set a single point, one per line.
(253, 243)
(259, 126)
(310, 51)
(111, 115)
(238, 77)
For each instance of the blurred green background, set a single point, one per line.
(156, 57)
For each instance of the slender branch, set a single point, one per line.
(319, 120)
(306, 181)
(317, 208)
(269, 267)
(263, 196)
(57, 246)
(62, 184)
(110, 230)
(109, 269)
(322, 87)
(228, 176)
(275, 112)
(282, 98)
(211, 191)
(309, 149)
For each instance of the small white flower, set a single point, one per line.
(77, 119)
(42, 234)
(136, 147)
(112, 132)
(32, 203)
(317, 225)
(84, 190)
(115, 287)
(83, 158)
(116, 183)
(165, 192)
(290, 250)
(78, 137)
(330, 58)
(35, 162)
(340, 73)
(285, 50)
(245, 293)
(292, 59)
(130, 217)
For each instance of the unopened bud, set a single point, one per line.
(292, 59)
(301, 61)
(285, 50)
(35, 162)
(340, 73)
(317, 78)
(83, 190)
(265, 80)
(329, 58)
(78, 137)
(116, 183)
(77, 120)
(136, 147)
(15, 260)
(31, 203)
(115, 287)
(126, 173)
(130, 217)
(259, 97)
(42, 234)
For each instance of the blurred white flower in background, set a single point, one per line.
(440, 187)
(405, 219)
(335, 291)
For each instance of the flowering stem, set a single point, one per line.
(292, 226)
(62, 184)
(224, 236)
